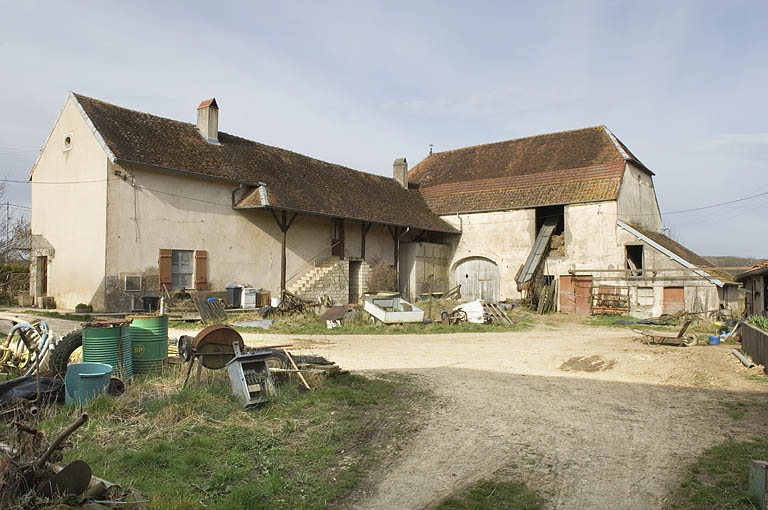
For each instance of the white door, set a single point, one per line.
(479, 278)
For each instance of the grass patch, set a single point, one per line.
(198, 446)
(490, 495)
(307, 324)
(736, 409)
(613, 321)
(757, 377)
(719, 479)
(80, 317)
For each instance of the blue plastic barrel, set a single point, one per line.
(85, 381)
(714, 340)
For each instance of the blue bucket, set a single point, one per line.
(85, 381)
(714, 340)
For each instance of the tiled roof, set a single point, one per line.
(757, 269)
(563, 187)
(686, 254)
(577, 166)
(293, 181)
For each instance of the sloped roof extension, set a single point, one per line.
(682, 254)
(293, 181)
(757, 269)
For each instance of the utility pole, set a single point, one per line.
(7, 230)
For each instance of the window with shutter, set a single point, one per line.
(201, 270)
(164, 268)
(181, 269)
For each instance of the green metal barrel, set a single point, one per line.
(110, 344)
(149, 334)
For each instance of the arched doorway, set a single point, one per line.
(479, 277)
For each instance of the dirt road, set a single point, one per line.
(589, 417)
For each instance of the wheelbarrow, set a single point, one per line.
(669, 337)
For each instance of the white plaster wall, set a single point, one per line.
(504, 237)
(590, 239)
(69, 210)
(352, 239)
(507, 238)
(173, 211)
(379, 247)
(637, 199)
(153, 209)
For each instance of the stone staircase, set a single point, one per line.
(331, 278)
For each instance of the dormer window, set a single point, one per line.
(67, 143)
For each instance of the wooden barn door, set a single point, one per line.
(674, 299)
(480, 278)
(576, 294)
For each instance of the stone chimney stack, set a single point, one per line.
(208, 120)
(400, 171)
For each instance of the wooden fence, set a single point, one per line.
(754, 342)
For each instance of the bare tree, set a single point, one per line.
(15, 232)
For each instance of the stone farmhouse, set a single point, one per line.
(125, 204)
(572, 213)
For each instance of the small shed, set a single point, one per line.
(755, 282)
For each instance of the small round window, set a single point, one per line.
(67, 141)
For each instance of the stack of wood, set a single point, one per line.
(496, 314)
(291, 303)
(547, 296)
(454, 293)
(211, 312)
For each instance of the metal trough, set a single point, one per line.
(392, 310)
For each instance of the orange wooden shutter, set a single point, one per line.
(201, 270)
(164, 269)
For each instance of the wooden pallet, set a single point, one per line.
(211, 312)
(496, 314)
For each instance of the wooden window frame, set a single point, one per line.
(198, 277)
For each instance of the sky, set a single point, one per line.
(682, 84)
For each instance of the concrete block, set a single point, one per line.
(25, 300)
(758, 482)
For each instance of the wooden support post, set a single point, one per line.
(364, 233)
(283, 224)
(283, 256)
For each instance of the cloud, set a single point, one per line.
(742, 139)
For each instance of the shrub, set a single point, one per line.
(759, 321)
(383, 278)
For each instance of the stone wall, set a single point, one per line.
(337, 283)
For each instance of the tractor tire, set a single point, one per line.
(277, 359)
(63, 351)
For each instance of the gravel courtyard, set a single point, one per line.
(588, 416)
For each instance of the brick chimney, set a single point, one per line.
(208, 120)
(400, 171)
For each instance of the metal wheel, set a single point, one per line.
(63, 352)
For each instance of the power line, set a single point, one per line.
(53, 182)
(718, 205)
(16, 206)
(6, 153)
(682, 211)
